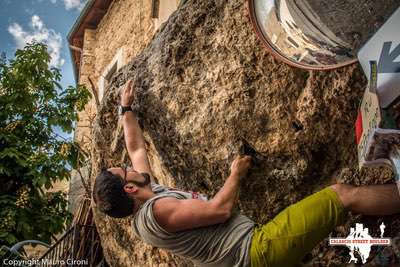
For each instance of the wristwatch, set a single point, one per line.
(123, 109)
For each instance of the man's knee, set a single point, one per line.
(346, 194)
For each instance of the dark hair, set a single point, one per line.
(110, 197)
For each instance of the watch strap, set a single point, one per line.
(125, 109)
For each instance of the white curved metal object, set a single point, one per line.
(317, 34)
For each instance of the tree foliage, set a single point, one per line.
(32, 156)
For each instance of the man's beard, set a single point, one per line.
(145, 182)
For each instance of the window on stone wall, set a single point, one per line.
(111, 72)
(105, 78)
(162, 10)
(155, 6)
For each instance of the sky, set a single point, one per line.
(47, 21)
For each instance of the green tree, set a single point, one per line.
(32, 155)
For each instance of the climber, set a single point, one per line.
(210, 232)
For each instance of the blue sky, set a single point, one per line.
(48, 21)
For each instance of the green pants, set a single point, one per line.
(294, 232)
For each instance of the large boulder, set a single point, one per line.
(205, 89)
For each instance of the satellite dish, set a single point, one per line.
(318, 34)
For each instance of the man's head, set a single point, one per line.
(115, 189)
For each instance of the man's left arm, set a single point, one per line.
(133, 135)
(175, 215)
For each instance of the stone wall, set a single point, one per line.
(127, 25)
(85, 118)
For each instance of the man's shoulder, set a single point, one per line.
(164, 209)
(163, 204)
(159, 205)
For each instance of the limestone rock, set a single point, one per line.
(205, 88)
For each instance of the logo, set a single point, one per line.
(360, 241)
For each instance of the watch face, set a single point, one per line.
(119, 110)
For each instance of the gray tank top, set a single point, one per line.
(220, 245)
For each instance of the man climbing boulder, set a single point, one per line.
(209, 232)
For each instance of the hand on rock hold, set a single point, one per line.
(127, 94)
(240, 165)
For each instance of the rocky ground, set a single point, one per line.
(206, 88)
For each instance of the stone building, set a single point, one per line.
(107, 35)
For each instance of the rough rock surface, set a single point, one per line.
(206, 88)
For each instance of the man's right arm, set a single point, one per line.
(175, 215)
(133, 135)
